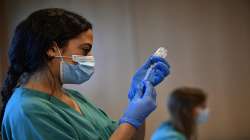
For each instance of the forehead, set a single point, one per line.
(84, 38)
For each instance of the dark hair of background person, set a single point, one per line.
(180, 104)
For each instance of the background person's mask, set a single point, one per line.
(202, 116)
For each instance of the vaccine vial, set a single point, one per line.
(161, 52)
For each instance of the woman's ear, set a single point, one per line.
(53, 51)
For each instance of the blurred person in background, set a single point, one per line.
(188, 108)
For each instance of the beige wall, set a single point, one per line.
(209, 47)
(208, 43)
(3, 43)
(2, 33)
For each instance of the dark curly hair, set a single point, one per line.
(32, 39)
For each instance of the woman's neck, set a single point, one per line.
(45, 82)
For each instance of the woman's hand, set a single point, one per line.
(137, 111)
(155, 74)
(140, 106)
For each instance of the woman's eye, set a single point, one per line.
(86, 48)
(86, 51)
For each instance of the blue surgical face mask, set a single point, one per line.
(76, 73)
(202, 116)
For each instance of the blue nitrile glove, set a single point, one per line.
(160, 69)
(140, 106)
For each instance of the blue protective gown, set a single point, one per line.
(166, 131)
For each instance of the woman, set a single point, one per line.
(187, 107)
(52, 47)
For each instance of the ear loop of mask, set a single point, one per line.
(62, 61)
(59, 53)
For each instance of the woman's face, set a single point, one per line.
(199, 108)
(201, 113)
(81, 45)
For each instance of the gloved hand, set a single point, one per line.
(156, 74)
(140, 106)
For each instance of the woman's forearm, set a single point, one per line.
(128, 132)
(140, 133)
(124, 132)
